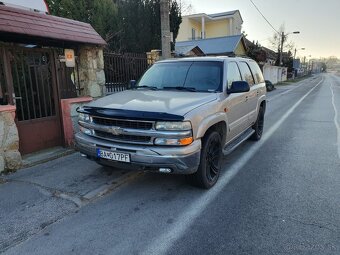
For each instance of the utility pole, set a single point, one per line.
(165, 27)
(283, 38)
(281, 48)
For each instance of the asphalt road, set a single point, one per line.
(277, 196)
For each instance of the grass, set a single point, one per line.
(289, 82)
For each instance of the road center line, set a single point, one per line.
(336, 118)
(165, 241)
(287, 91)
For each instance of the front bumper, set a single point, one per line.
(182, 160)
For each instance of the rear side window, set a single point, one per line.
(257, 73)
(246, 73)
(233, 74)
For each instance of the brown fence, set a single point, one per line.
(121, 68)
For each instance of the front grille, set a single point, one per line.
(124, 138)
(123, 123)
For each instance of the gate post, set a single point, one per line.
(91, 71)
(10, 157)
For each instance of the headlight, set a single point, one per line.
(84, 117)
(173, 126)
(174, 142)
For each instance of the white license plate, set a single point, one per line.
(115, 156)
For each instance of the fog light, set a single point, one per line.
(165, 170)
(86, 131)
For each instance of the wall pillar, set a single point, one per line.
(70, 117)
(10, 157)
(203, 27)
(91, 71)
(231, 26)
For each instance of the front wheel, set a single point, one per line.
(258, 126)
(210, 162)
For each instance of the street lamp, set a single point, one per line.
(283, 38)
(297, 50)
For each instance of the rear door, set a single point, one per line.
(258, 89)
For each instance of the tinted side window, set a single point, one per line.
(233, 74)
(246, 73)
(257, 73)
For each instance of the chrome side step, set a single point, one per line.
(229, 148)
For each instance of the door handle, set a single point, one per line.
(17, 98)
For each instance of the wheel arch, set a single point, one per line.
(220, 127)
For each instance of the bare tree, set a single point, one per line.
(186, 7)
(275, 41)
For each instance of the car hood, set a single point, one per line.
(165, 101)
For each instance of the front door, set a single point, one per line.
(34, 88)
(236, 104)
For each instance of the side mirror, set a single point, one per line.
(133, 84)
(239, 87)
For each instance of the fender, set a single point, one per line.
(209, 121)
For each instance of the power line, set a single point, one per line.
(264, 17)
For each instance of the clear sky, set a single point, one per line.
(318, 21)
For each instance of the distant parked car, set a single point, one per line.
(269, 85)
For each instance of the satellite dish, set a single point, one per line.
(33, 5)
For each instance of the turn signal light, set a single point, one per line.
(174, 142)
(186, 141)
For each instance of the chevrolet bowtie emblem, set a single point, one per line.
(116, 130)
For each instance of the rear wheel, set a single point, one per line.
(258, 126)
(210, 162)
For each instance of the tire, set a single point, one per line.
(210, 162)
(258, 126)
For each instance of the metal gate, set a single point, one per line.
(121, 68)
(33, 89)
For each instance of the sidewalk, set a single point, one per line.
(35, 197)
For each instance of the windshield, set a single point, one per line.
(198, 76)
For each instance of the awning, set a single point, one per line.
(17, 25)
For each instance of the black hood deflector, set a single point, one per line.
(129, 114)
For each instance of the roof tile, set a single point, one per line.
(23, 22)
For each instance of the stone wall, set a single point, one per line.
(70, 117)
(91, 71)
(10, 158)
(153, 56)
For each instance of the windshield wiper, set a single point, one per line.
(147, 87)
(182, 88)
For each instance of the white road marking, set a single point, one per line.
(336, 118)
(164, 242)
(287, 91)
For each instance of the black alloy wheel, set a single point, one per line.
(258, 126)
(210, 163)
(213, 158)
